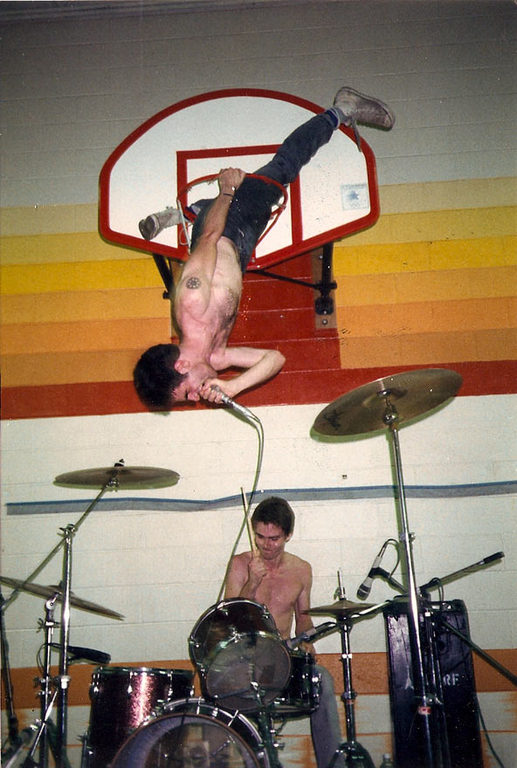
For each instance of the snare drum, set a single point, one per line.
(121, 699)
(302, 694)
(237, 649)
(193, 733)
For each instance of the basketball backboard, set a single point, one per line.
(334, 195)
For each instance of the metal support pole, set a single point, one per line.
(423, 702)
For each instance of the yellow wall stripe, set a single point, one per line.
(418, 257)
(438, 225)
(403, 228)
(83, 276)
(379, 259)
(394, 198)
(425, 286)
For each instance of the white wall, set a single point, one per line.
(74, 90)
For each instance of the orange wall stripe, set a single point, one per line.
(431, 349)
(355, 352)
(69, 367)
(84, 336)
(370, 675)
(436, 316)
(83, 305)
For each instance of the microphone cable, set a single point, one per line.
(257, 424)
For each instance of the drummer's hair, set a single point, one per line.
(155, 377)
(277, 511)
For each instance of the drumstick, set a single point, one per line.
(248, 523)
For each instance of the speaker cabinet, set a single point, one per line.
(451, 731)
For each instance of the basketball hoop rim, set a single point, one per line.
(275, 211)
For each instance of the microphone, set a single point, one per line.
(364, 589)
(491, 558)
(322, 629)
(237, 407)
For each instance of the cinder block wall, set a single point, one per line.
(74, 88)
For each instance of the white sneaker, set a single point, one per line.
(156, 222)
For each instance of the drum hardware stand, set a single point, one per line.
(354, 753)
(424, 701)
(268, 733)
(63, 678)
(437, 582)
(370, 408)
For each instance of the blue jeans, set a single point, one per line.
(325, 729)
(250, 209)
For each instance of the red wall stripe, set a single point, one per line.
(288, 388)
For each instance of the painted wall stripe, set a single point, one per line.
(485, 377)
(123, 503)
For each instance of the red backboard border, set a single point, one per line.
(299, 245)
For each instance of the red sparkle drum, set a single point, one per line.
(193, 733)
(302, 694)
(241, 659)
(121, 699)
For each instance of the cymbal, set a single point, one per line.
(119, 477)
(402, 395)
(50, 591)
(339, 608)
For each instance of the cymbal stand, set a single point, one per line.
(66, 542)
(423, 699)
(355, 754)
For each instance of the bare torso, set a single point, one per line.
(285, 589)
(213, 326)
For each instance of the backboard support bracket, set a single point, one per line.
(324, 305)
(321, 266)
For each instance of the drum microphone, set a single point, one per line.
(77, 653)
(364, 589)
(304, 637)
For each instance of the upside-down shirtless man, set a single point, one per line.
(224, 236)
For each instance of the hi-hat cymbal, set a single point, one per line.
(131, 478)
(339, 608)
(50, 591)
(396, 398)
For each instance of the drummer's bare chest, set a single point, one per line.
(279, 592)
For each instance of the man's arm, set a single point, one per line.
(303, 621)
(259, 366)
(194, 286)
(244, 577)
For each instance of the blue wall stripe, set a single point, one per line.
(122, 503)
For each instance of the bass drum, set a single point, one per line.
(239, 654)
(192, 733)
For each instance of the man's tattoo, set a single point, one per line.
(193, 282)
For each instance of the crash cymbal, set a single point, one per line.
(339, 608)
(50, 591)
(131, 478)
(367, 408)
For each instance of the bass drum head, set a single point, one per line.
(193, 734)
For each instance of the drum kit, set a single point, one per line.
(250, 678)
